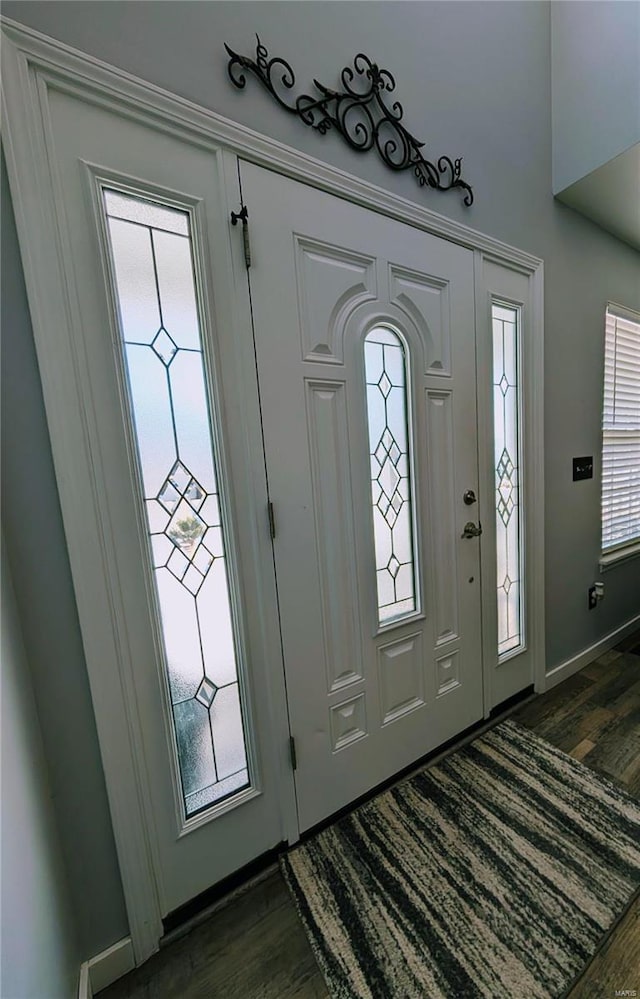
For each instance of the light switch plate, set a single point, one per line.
(583, 468)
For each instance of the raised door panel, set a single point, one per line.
(330, 280)
(425, 299)
(334, 535)
(444, 568)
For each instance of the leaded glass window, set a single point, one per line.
(506, 411)
(391, 492)
(152, 254)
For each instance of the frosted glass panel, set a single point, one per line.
(506, 406)
(146, 213)
(386, 379)
(162, 351)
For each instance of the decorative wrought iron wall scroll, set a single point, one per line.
(359, 114)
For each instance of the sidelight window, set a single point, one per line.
(506, 420)
(161, 340)
(391, 488)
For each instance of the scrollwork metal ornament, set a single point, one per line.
(359, 113)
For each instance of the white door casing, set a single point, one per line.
(35, 69)
(365, 701)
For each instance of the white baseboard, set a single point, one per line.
(106, 968)
(84, 985)
(571, 666)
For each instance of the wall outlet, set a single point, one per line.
(596, 593)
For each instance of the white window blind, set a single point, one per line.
(621, 431)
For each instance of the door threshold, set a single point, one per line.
(197, 910)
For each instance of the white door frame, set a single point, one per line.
(34, 64)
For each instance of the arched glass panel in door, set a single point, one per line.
(388, 421)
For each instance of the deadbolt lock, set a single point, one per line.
(471, 531)
(469, 497)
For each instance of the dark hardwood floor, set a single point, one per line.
(595, 717)
(254, 947)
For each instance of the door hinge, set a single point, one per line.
(272, 520)
(243, 216)
(292, 753)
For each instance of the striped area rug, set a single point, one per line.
(496, 873)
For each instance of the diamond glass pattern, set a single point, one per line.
(179, 476)
(507, 477)
(393, 566)
(195, 494)
(187, 540)
(169, 496)
(206, 692)
(164, 347)
(186, 528)
(386, 380)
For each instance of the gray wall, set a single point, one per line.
(474, 79)
(40, 952)
(595, 77)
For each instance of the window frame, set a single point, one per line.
(630, 548)
(101, 183)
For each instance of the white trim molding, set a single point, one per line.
(106, 968)
(111, 964)
(33, 67)
(84, 982)
(620, 555)
(573, 665)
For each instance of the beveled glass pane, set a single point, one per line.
(506, 411)
(170, 418)
(387, 421)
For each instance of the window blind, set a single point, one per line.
(621, 432)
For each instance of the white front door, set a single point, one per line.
(170, 405)
(365, 340)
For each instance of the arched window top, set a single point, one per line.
(385, 334)
(389, 422)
